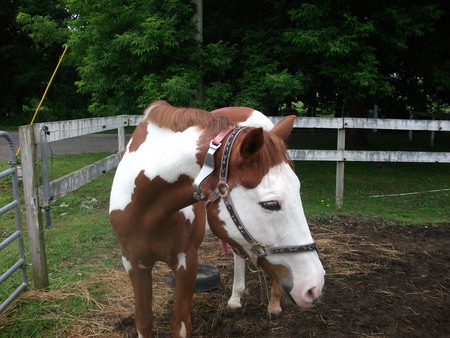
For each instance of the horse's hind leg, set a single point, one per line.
(141, 280)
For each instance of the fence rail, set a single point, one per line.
(30, 138)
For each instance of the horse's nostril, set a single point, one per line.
(311, 296)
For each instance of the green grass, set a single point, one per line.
(363, 181)
(81, 244)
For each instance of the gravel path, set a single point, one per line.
(82, 144)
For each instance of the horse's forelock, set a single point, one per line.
(272, 153)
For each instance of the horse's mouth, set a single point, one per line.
(287, 294)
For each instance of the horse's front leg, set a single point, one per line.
(186, 273)
(238, 283)
(274, 307)
(141, 280)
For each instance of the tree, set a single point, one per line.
(32, 38)
(358, 48)
(255, 66)
(133, 52)
(260, 53)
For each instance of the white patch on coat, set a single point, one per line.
(257, 119)
(164, 153)
(188, 212)
(183, 330)
(142, 266)
(126, 264)
(181, 261)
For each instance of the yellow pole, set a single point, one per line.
(46, 90)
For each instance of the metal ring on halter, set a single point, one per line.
(223, 189)
(259, 250)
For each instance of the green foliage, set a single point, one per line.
(181, 89)
(44, 31)
(32, 38)
(129, 54)
(265, 54)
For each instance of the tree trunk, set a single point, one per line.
(356, 139)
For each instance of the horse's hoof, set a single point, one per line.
(273, 314)
(233, 307)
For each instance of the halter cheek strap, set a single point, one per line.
(208, 164)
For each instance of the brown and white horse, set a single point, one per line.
(253, 203)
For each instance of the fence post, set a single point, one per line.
(432, 135)
(120, 140)
(340, 171)
(410, 132)
(35, 224)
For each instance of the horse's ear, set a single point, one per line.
(283, 128)
(252, 143)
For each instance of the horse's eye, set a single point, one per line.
(270, 205)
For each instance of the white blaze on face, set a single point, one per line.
(164, 153)
(287, 226)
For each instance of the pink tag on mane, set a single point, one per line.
(224, 247)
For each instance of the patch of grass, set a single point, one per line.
(364, 181)
(80, 245)
(60, 165)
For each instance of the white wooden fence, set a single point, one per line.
(30, 138)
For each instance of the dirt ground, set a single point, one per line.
(381, 281)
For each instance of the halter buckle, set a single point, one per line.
(223, 189)
(259, 250)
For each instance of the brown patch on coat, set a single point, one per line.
(139, 136)
(151, 216)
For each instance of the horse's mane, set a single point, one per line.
(178, 119)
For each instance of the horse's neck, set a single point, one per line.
(167, 160)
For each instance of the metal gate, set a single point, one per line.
(17, 235)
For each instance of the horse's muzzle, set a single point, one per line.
(309, 299)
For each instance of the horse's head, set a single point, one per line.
(256, 208)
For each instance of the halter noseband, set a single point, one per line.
(223, 189)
